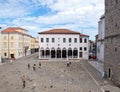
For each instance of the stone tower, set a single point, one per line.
(112, 40)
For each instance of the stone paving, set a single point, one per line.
(99, 68)
(52, 76)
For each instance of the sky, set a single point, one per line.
(41, 15)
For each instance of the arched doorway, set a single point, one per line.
(42, 52)
(75, 53)
(70, 52)
(58, 53)
(53, 53)
(64, 53)
(47, 52)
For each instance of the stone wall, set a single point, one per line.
(112, 40)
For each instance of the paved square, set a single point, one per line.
(53, 76)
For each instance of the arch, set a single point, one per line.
(47, 51)
(41, 48)
(52, 48)
(75, 52)
(53, 53)
(58, 53)
(64, 53)
(42, 52)
(69, 52)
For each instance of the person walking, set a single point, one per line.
(28, 65)
(68, 64)
(39, 64)
(34, 67)
(23, 81)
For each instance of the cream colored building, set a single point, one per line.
(0, 45)
(16, 42)
(34, 45)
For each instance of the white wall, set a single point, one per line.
(59, 42)
(100, 51)
(85, 53)
(101, 35)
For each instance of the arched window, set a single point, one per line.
(47, 51)
(75, 53)
(69, 52)
(58, 53)
(42, 51)
(64, 53)
(53, 54)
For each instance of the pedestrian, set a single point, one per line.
(28, 65)
(11, 60)
(34, 67)
(39, 64)
(68, 64)
(24, 81)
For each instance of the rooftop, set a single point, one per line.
(61, 31)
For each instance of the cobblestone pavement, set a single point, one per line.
(52, 76)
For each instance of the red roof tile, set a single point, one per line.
(59, 31)
(12, 30)
(84, 35)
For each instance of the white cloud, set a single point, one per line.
(77, 15)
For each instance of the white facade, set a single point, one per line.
(100, 41)
(61, 47)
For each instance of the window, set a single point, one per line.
(80, 48)
(64, 40)
(80, 54)
(85, 48)
(5, 45)
(85, 40)
(11, 37)
(5, 54)
(4, 37)
(80, 40)
(11, 44)
(75, 40)
(47, 39)
(53, 39)
(70, 40)
(42, 40)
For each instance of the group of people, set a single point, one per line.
(23, 78)
(34, 66)
(34, 69)
(68, 64)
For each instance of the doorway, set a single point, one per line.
(109, 73)
(12, 55)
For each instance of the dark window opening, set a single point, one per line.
(85, 48)
(42, 40)
(80, 40)
(64, 40)
(85, 40)
(70, 40)
(47, 39)
(53, 39)
(75, 40)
